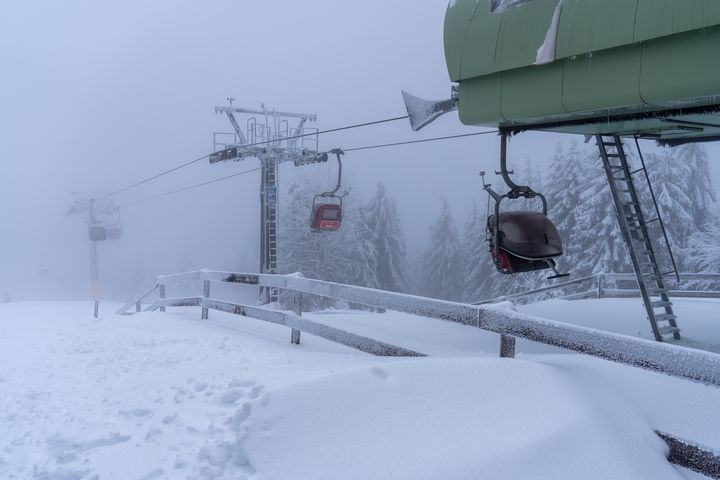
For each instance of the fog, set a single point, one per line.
(98, 95)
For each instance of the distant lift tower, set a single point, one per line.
(272, 137)
(103, 218)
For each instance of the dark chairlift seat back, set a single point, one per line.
(114, 233)
(527, 241)
(97, 232)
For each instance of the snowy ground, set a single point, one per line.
(167, 396)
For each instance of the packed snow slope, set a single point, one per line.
(168, 396)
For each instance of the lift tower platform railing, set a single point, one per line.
(272, 137)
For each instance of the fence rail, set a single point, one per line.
(695, 365)
(598, 288)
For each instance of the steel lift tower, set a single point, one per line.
(272, 137)
(103, 218)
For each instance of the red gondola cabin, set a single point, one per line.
(327, 217)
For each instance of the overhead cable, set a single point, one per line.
(190, 187)
(435, 139)
(265, 142)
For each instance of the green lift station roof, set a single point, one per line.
(645, 67)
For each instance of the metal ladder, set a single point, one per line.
(269, 226)
(634, 229)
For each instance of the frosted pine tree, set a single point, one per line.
(598, 245)
(564, 195)
(381, 220)
(706, 252)
(477, 263)
(361, 255)
(299, 247)
(442, 261)
(698, 183)
(670, 178)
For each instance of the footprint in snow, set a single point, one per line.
(135, 412)
(381, 373)
(232, 396)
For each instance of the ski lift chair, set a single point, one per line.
(521, 241)
(97, 232)
(327, 208)
(326, 216)
(114, 232)
(526, 241)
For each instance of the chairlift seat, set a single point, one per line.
(528, 235)
(97, 233)
(114, 233)
(327, 217)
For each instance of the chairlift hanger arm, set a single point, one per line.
(333, 193)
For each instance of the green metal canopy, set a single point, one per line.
(647, 67)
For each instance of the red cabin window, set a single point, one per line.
(327, 217)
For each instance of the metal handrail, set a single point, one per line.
(709, 277)
(657, 209)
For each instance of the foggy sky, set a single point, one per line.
(97, 95)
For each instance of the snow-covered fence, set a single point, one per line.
(695, 365)
(605, 285)
(294, 321)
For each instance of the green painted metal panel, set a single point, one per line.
(522, 32)
(480, 100)
(604, 80)
(649, 127)
(623, 59)
(480, 44)
(592, 25)
(457, 20)
(658, 18)
(532, 92)
(680, 67)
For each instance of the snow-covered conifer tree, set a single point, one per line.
(382, 221)
(477, 263)
(598, 245)
(563, 191)
(442, 261)
(706, 250)
(698, 182)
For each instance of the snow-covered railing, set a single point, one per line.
(598, 288)
(695, 365)
(294, 321)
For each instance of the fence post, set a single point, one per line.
(601, 278)
(507, 346)
(138, 306)
(161, 293)
(205, 295)
(297, 309)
